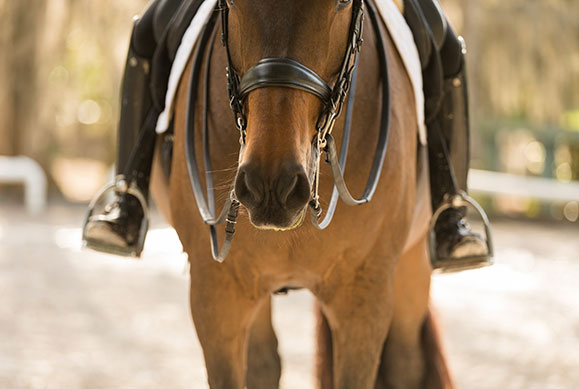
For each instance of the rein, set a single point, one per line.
(288, 73)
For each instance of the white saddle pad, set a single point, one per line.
(390, 13)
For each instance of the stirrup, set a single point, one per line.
(457, 200)
(99, 201)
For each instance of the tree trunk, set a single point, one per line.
(20, 24)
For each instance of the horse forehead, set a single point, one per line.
(285, 27)
(285, 5)
(286, 15)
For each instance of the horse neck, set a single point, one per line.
(401, 153)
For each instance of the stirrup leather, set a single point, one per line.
(460, 199)
(118, 185)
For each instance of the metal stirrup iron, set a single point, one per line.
(461, 199)
(456, 199)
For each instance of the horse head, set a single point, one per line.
(276, 168)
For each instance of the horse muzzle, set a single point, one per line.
(276, 199)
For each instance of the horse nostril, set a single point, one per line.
(289, 189)
(293, 189)
(284, 191)
(248, 187)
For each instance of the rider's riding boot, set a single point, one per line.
(117, 220)
(456, 247)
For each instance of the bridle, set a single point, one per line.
(285, 72)
(288, 73)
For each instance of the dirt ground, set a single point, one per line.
(78, 319)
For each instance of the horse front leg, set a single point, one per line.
(359, 310)
(403, 358)
(413, 357)
(222, 314)
(263, 361)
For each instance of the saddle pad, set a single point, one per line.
(182, 56)
(388, 10)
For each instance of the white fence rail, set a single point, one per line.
(24, 170)
(546, 189)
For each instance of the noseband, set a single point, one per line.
(288, 73)
(283, 72)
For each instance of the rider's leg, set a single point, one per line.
(118, 224)
(457, 246)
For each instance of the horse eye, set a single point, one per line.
(343, 3)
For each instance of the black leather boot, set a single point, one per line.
(454, 246)
(117, 220)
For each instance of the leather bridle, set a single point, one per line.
(288, 73)
(285, 72)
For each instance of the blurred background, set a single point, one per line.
(70, 318)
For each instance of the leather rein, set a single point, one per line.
(285, 72)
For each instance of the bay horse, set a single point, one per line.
(369, 270)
